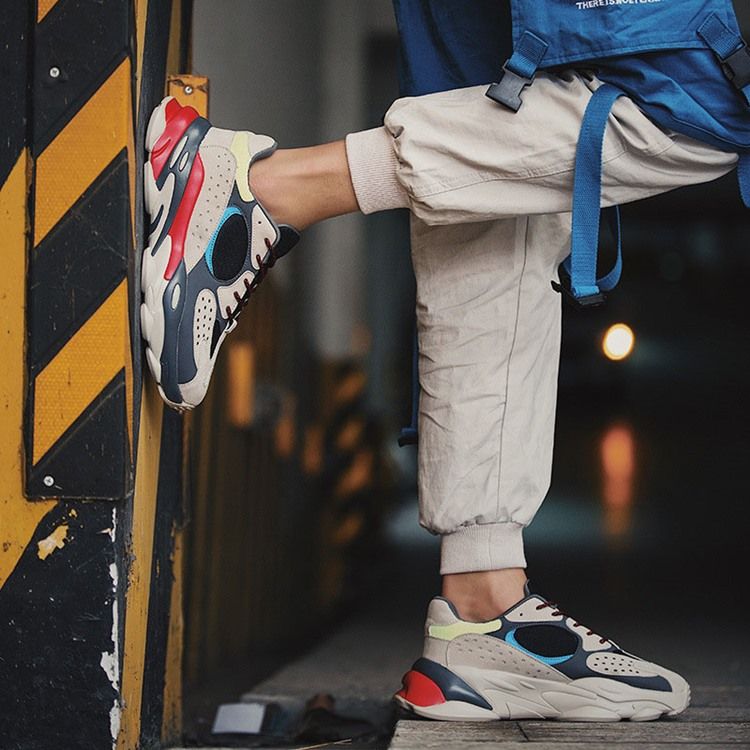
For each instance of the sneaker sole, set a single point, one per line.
(514, 697)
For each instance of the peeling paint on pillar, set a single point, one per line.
(59, 617)
(110, 661)
(56, 540)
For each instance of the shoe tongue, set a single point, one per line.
(288, 238)
(529, 594)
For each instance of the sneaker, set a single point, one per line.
(210, 245)
(532, 662)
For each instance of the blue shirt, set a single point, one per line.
(448, 44)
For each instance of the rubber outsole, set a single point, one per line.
(457, 711)
(528, 698)
(152, 276)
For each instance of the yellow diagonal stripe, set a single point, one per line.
(44, 7)
(84, 147)
(18, 517)
(77, 374)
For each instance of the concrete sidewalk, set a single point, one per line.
(719, 717)
(362, 662)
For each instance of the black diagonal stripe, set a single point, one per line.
(79, 263)
(91, 458)
(85, 40)
(15, 23)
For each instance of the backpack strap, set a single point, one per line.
(730, 48)
(734, 56)
(583, 287)
(519, 71)
(743, 177)
(605, 283)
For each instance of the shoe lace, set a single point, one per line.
(556, 611)
(250, 286)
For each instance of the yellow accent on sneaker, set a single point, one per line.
(241, 149)
(455, 629)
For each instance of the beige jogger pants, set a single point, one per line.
(490, 193)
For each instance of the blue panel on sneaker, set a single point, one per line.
(452, 686)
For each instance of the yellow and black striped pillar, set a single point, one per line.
(91, 465)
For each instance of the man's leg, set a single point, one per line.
(454, 157)
(303, 186)
(489, 327)
(489, 339)
(457, 157)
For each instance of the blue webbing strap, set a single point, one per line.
(410, 435)
(743, 177)
(519, 71)
(611, 280)
(585, 288)
(731, 50)
(527, 55)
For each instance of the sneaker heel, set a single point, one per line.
(156, 124)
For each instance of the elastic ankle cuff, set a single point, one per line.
(372, 166)
(492, 546)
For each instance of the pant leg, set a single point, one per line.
(459, 157)
(489, 337)
(488, 322)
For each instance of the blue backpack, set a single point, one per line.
(683, 62)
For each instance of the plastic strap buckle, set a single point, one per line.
(408, 436)
(581, 303)
(508, 89)
(737, 67)
(519, 71)
(732, 51)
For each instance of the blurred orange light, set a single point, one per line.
(618, 342)
(618, 463)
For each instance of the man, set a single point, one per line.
(489, 191)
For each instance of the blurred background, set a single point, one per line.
(304, 536)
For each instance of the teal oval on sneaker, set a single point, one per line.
(549, 660)
(209, 254)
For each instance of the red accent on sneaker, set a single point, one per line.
(178, 119)
(173, 107)
(420, 690)
(179, 227)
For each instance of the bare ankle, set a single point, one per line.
(484, 595)
(303, 186)
(266, 180)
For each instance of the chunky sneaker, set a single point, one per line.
(532, 662)
(210, 244)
